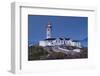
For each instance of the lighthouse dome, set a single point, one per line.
(49, 25)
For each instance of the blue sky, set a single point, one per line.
(73, 27)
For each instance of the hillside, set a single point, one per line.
(48, 53)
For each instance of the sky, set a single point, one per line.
(73, 27)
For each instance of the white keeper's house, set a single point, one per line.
(50, 41)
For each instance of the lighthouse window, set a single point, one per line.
(48, 29)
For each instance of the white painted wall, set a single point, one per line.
(42, 43)
(59, 42)
(5, 42)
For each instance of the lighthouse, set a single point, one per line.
(48, 30)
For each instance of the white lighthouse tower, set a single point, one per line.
(48, 30)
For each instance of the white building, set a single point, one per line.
(49, 41)
(59, 41)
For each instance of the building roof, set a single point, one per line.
(75, 40)
(64, 38)
(67, 38)
(60, 39)
(57, 38)
(50, 39)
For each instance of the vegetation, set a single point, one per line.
(36, 52)
(41, 53)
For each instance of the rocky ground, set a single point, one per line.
(56, 52)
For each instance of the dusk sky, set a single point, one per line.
(72, 27)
